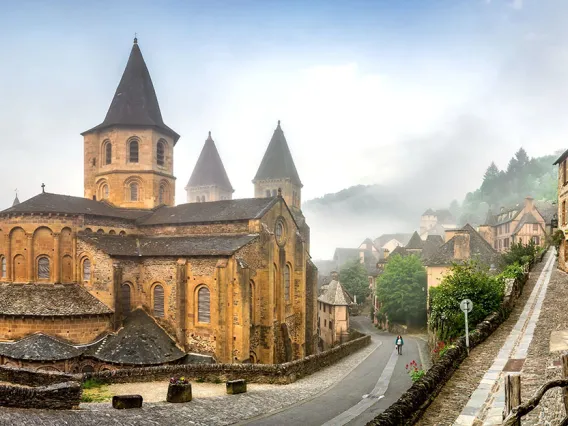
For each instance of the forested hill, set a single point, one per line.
(523, 176)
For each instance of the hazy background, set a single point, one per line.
(416, 95)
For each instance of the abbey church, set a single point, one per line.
(125, 277)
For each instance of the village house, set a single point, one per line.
(435, 221)
(519, 224)
(124, 277)
(418, 247)
(333, 314)
(389, 242)
(562, 209)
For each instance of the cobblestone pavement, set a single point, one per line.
(212, 411)
(445, 409)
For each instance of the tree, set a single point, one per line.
(401, 290)
(354, 278)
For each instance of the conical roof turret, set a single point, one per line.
(277, 162)
(135, 102)
(209, 169)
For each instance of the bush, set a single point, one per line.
(520, 253)
(514, 271)
(471, 281)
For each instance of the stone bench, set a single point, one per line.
(126, 401)
(236, 386)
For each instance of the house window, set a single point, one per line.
(133, 152)
(535, 227)
(108, 153)
(506, 243)
(564, 172)
(159, 301)
(325, 323)
(125, 299)
(86, 270)
(508, 228)
(203, 306)
(133, 192)
(3, 270)
(330, 324)
(43, 268)
(105, 191)
(287, 283)
(160, 153)
(536, 240)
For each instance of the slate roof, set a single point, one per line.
(140, 342)
(16, 201)
(46, 202)
(385, 238)
(415, 242)
(49, 300)
(209, 169)
(135, 102)
(490, 219)
(216, 211)
(334, 294)
(432, 243)
(478, 247)
(400, 251)
(561, 158)
(39, 347)
(277, 162)
(547, 210)
(203, 245)
(527, 219)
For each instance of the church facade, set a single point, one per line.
(123, 276)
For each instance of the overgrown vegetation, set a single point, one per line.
(95, 391)
(556, 240)
(521, 254)
(470, 280)
(401, 290)
(354, 278)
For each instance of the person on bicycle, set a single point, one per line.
(398, 343)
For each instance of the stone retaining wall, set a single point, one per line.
(59, 396)
(412, 404)
(29, 377)
(252, 373)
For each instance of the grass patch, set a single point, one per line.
(200, 380)
(91, 384)
(95, 391)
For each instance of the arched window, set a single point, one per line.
(197, 199)
(274, 193)
(86, 270)
(160, 153)
(104, 192)
(3, 267)
(134, 191)
(268, 193)
(87, 369)
(108, 153)
(159, 301)
(133, 152)
(125, 298)
(161, 195)
(43, 268)
(287, 283)
(252, 299)
(203, 305)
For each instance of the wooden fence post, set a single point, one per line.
(512, 394)
(565, 376)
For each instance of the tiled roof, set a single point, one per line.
(277, 162)
(561, 158)
(547, 210)
(140, 342)
(202, 245)
(135, 102)
(401, 251)
(527, 219)
(335, 295)
(209, 169)
(431, 245)
(39, 347)
(415, 242)
(216, 211)
(56, 203)
(49, 300)
(479, 249)
(385, 238)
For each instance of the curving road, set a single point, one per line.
(366, 391)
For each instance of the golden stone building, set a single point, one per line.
(125, 277)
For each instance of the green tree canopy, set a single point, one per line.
(354, 278)
(401, 290)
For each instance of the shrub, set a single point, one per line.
(415, 371)
(514, 271)
(521, 253)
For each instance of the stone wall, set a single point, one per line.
(28, 377)
(412, 404)
(253, 373)
(60, 396)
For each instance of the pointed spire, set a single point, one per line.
(16, 200)
(209, 169)
(135, 102)
(277, 162)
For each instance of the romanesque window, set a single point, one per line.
(162, 195)
(268, 193)
(43, 268)
(108, 153)
(203, 305)
(160, 153)
(134, 191)
(159, 301)
(133, 152)
(274, 193)
(86, 270)
(88, 369)
(105, 191)
(3, 266)
(125, 298)
(251, 307)
(287, 283)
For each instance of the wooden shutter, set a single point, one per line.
(125, 299)
(158, 301)
(203, 306)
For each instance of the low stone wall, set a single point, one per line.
(252, 373)
(412, 404)
(28, 377)
(59, 396)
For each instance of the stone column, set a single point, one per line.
(76, 266)
(181, 302)
(56, 259)
(30, 255)
(224, 339)
(116, 281)
(8, 246)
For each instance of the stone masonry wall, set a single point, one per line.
(60, 396)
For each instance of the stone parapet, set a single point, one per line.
(59, 396)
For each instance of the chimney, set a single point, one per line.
(334, 276)
(461, 245)
(449, 234)
(529, 204)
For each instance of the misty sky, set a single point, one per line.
(417, 94)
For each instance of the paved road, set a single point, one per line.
(325, 408)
